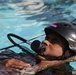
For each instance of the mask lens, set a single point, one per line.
(37, 46)
(42, 48)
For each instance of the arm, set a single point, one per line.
(45, 64)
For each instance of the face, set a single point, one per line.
(54, 45)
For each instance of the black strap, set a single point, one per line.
(18, 45)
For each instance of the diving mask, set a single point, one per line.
(38, 46)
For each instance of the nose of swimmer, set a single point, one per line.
(46, 42)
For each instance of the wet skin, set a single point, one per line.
(52, 49)
(54, 46)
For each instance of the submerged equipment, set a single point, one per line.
(16, 36)
(18, 45)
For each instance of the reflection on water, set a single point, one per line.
(46, 10)
(43, 10)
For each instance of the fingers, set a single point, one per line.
(16, 63)
(18, 66)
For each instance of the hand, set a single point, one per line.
(16, 63)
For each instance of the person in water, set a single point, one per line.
(59, 44)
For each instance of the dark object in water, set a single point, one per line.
(8, 71)
(7, 54)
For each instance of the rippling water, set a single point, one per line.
(28, 18)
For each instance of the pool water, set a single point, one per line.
(28, 18)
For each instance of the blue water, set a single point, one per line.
(29, 18)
